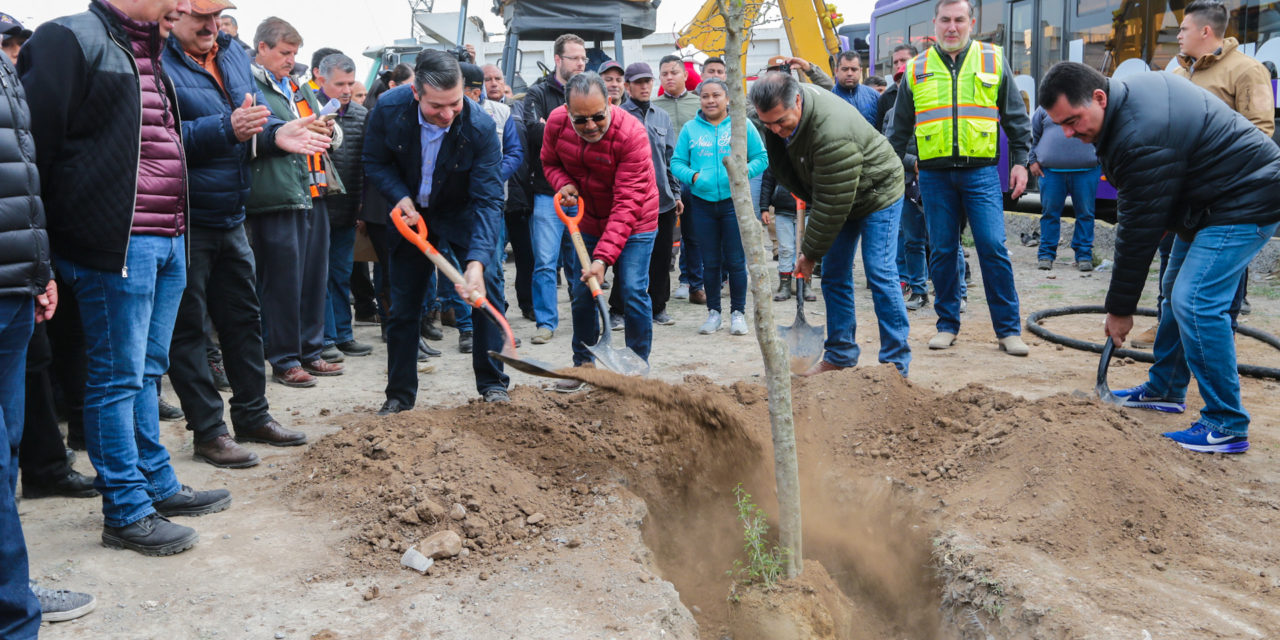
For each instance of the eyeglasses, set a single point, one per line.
(574, 58)
(581, 120)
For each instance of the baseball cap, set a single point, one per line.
(210, 7)
(610, 65)
(778, 62)
(639, 71)
(11, 28)
(472, 76)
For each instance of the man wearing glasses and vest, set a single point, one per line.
(954, 98)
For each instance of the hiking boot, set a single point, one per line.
(943, 340)
(1045, 265)
(392, 406)
(272, 433)
(697, 296)
(737, 323)
(153, 535)
(682, 292)
(294, 377)
(224, 453)
(569, 386)
(331, 355)
(1200, 437)
(354, 349)
(170, 413)
(809, 294)
(1146, 339)
(219, 375)
(60, 605)
(543, 336)
(189, 502)
(712, 324)
(1014, 346)
(664, 319)
(917, 301)
(321, 367)
(1084, 265)
(1139, 397)
(428, 328)
(72, 484)
(784, 288)
(497, 394)
(466, 340)
(822, 366)
(616, 323)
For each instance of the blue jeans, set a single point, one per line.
(879, 234)
(632, 274)
(976, 192)
(551, 250)
(442, 296)
(1054, 187)
(785, 224)
(337, 317)
(690, 254)
(716, 224)
(913, 267)
(128, 324)
(1194, 335)
(19, 610)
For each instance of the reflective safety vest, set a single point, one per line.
(315, 161)
(957, 115)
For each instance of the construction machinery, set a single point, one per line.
(810, 25)
(596, 22)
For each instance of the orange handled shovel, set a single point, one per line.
(508, 354)
(617, 359)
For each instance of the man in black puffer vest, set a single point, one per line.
(1181, 161)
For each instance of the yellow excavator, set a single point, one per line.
(811, 28)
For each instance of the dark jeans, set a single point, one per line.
(337, 316)
(522, 248)
(220, 283)
(291, 249)
(690, 255)
(717, 227)
(362, 290)
(19, 610)
(44, 455)
(410, 272)
(632, 268)
(381, 285)
(659, 269)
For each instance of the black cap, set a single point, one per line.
(11, 28)
(472, 76)
(611, 65)
(639, 71)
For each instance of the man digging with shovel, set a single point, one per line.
(826, 154)
(596, 156)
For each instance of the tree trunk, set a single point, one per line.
(776, 359)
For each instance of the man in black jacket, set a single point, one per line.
(1182, 161)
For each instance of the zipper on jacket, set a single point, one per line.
(137, 73)
(955, 111)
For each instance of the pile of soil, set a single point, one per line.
(939, 516)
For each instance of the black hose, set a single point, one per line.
(1033, 325)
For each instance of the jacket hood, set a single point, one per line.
(1209, 59)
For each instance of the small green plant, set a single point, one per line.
(764, 561)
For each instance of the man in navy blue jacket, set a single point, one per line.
(436, 155)
(222, 111)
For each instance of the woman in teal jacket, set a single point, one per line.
(699, 162)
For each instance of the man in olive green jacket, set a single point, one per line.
(288, 221)
(828, 155)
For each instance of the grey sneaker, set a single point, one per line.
(664, 319)
(1045, 265)
(737, 324)
(1084, 265)
(682, 292)
(543, 336)
(712, 324)
(496, 394)
(60, 605)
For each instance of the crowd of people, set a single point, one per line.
(195, 205)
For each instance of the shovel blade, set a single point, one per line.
(804, 344)
(524, 365)
(619, 360)
(1101, 387)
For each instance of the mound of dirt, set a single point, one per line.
(994, 507)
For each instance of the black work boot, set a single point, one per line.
(189, 502)
(153, 535)
(71, 484)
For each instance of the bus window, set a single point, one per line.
(1051, 31)
(1108, 32)
(1021, 27)
(891, 31)
(920, 30)
(990, 26)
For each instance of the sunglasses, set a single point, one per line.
(581, 120)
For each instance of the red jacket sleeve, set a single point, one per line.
(635, 189)
(557, 125)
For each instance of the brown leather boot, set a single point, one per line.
(223, 452)
(320, 367)
(272, 433)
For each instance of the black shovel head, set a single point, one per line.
(1101, 387)
(525, 365)
(804, 341)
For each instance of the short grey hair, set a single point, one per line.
(336, 62)
(583, 83)
(273, 30)
(773, 89)
(436, 69)
(942, 3)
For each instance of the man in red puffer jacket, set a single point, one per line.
(597, 156)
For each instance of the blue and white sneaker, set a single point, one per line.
(1200, 437)
(1138, 398)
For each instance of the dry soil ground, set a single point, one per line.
(985, 497)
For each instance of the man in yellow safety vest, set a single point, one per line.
(954, 98)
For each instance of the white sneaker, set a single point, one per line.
(682, 292)
(712, 324)
(737, 324)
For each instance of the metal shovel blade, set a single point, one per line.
(525, 365)
(804, 341)
(620, 360)
(1101, 387)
